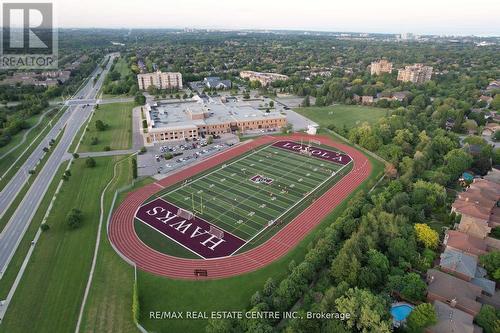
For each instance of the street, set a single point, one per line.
(72, 120)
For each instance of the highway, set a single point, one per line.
(73, 118)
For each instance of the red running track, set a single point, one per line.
(122, 234)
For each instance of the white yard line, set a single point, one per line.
(298, 202)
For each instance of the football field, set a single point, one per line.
(237, 201)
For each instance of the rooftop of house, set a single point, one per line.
(452, 320)
(479, 199)
(451, 288)
(459, 262)
(465, 242)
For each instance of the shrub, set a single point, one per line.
(107, 148)
(74, 218)
(44, 227)
(90, 162)
(94, 140)
(76, 155)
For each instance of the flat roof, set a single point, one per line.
(178, 115)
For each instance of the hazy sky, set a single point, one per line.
(422, 17)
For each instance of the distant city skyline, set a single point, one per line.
(445, 17)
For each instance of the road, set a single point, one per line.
(72, 120)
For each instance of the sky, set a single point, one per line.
(441, 17)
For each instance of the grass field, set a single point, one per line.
(118, 135)
(342, 115)
(228, 198)
(53, 283)
(226, 294)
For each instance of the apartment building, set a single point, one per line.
(264, 78)
(160, 80)
(417, 73)
(381, 66)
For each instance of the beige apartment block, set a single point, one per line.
(381, 66)
(160, 80)
(417, 73)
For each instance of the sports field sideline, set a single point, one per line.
(244, 197)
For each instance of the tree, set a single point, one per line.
(457, 161)
(422, 316)
(491, 262)
(44, 227)
(410, 286)
(90, 162)
(74, 218)
(495, 103)
(139, 99)
(307, 101)
(100, 125)
(76, 155)
(489, 319)
(496, 136)
(426, 235)
(368, 312)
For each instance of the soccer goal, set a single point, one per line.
(185, 214)
(216, 232)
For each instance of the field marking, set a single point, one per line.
(258, 191)
(223, 167)
(311, 192)
(265, 226)
(219, 167)
(321, 159)
(184, 246)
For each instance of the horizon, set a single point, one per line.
(448, 18)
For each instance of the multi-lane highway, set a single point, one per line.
(72, 119)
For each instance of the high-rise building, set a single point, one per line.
(381, 66)
(160, 80)
(417, 73)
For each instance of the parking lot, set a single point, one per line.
(163, 158)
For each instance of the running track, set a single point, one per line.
(122, 234)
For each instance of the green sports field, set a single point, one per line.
(228, 198)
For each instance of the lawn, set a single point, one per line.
(117, 135)
(52, 287)
(161, 294)
(343, 115)
(109, 304)
(17, 260)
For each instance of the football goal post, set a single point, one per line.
(185, 214)
(216, 232)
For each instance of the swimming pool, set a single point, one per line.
(400, 311)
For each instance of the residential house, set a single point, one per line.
(458, 263)
(451, 319)
(478, 207)
(493, 85)
(453, 291)
(464, 242)
(366, 100)
(490, 129)
(400, 95)
(215, 82)
(486, 98)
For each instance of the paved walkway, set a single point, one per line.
(108, 153)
